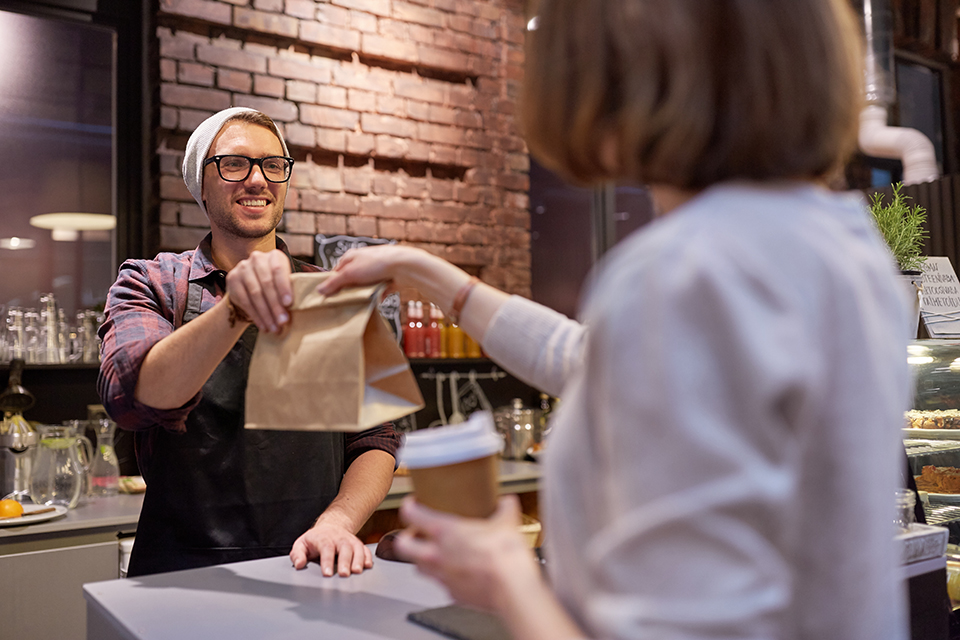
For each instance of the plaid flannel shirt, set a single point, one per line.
(142, 307)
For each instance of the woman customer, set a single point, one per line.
(726, 456)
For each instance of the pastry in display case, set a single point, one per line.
(931, 432)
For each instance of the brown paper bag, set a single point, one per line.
(336, 367)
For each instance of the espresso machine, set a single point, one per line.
(18, 441)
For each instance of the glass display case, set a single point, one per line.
(931, 433)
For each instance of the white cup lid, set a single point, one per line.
(439, 446)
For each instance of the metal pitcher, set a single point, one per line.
(519, 427)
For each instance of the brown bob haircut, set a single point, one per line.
(693, 92)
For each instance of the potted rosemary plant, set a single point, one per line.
(902, 227)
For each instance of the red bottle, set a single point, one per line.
(432, 342)
(413, 333)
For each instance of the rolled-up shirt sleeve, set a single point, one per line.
(140, 312)
(382, 438)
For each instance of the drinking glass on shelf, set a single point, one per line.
(13, 336)
(74, 341)
(49, 344)
(88, 322)
(63, 336)
(31, 336)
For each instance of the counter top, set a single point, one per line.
(121, 511)
(516, 476)
(264, 599)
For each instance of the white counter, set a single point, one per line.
(263, 599)
(103, 515)
(46, 563)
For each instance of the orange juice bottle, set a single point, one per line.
(444, 333)
(455, 345)
(471, 347)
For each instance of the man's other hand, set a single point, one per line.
(331, 544)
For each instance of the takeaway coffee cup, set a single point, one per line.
(454, 468)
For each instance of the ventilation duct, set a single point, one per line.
(911, 147)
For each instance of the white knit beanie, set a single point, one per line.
(199, 145)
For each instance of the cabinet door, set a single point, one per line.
(41, 593)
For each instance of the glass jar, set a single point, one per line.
(905, 500)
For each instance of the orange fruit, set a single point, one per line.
(10, 509)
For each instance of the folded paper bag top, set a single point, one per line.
(336, 367)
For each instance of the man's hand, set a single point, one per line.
(331, 542)
(260, 287)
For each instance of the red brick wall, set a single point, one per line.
(400, 114)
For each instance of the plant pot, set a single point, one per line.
(913, 285)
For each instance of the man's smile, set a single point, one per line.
(253, 202)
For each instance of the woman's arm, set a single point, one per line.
(534, 343)
(437, 279)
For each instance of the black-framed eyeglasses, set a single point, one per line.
(238, 168)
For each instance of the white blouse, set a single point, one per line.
(724, 461)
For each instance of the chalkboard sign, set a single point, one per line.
(329, 249)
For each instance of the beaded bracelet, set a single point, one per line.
(461, 299)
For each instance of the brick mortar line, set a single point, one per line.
(412, 167)
(176, 22)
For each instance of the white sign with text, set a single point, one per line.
(940, 301)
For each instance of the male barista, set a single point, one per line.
(177, 342)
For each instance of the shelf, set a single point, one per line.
(49, 367)
(439, 362)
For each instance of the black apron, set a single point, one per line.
(220, 493)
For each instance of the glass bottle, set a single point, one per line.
(471, 347)
(421, 343)
(444, 334)
(104, 469)
(432, 334)
(905, 500)
(545, 410)
(455, 341)
(410, 331)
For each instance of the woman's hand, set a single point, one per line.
(477, 560)
(436, 279)
(486, 564)
(370, 265)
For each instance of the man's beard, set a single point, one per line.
(231, 225)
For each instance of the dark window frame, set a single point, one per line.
(138, 223)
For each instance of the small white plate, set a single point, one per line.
(26, 518)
